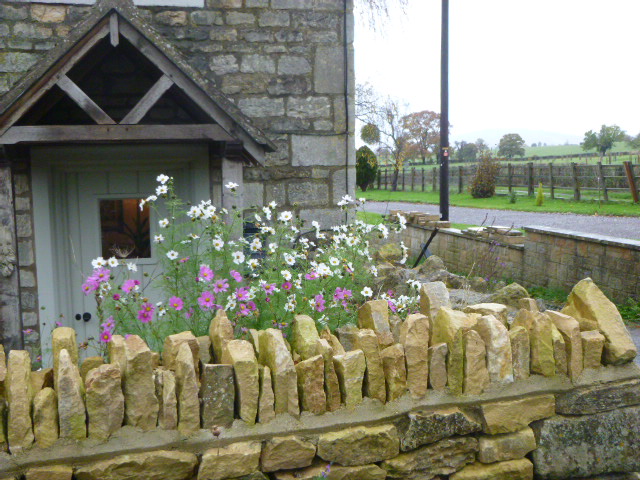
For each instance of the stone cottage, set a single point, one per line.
(97, 97)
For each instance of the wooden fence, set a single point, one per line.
(597, 179)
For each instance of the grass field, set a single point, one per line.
(551, 150)
(523, 204)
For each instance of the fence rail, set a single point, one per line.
(556, 179)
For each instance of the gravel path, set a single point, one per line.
(625, 227)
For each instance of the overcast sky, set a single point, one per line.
(526, 66)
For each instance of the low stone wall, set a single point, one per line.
(548, 257)
(442, 394)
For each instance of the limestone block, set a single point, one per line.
(455, 364)
(165, 383)
(220, 332)
(374, 381)
(520, 352)
(275, 355)
(570, 330)
(63, 338)
(496, 339)
(347, 336)
(432, 426)
(414, 336)
(304, 336)
(71, 409)
(241, 355)
(217, 394)
(310, 374)
(528, 304)
(172, 345)
(331, 384)
(525, 319)
(53, 472)
(513, 415)
(157, 465)
(359, 445)
(374, 315)
(105, 401)
(204, 349)
(441, 458)
(118, 353)
(335, 472)
(588, 445)
(521, 469)
(18, 391)
(587, 302)
(3, 425)
(508, 446)
(141, 404)
(89, 364)
(559, 352)
(593, 343)
(187, 391)
(445, 325)
(498, 310)
(254, 338)
(433, 295)
(476, 375)
(266, 408)
(395, 371)
(45, 417)
(284, 453)
(350, 369)
(542, 359)
(438, 366)
(510, 295)
(337, 347)
(231, 461)
(598, 398)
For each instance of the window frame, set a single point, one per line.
(137, 3)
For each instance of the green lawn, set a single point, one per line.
(523, 204)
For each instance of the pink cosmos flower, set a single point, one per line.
(392, 306)
(109, 324)
(58, 323)
(184, 260)
(270, 288)
(287, 286)
(236, 275)
(342, 294)
(252, 306)
(189, 314)
(130, 285)
(89, 286)
(100, 275)
(244, 310)
(242, 294)
(311, 276)
(319, 302)
(116, 296)
(206, 274)
(177, 303)
(105, 336)
(221, 285)
(145, 314)
(206, 300)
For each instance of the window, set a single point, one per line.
(140, 3)
(124, 228)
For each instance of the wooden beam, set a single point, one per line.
(90, 107)
(114, 31)
(145, 104)
(113, 133)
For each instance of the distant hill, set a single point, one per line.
(493, 136)
(551, 150)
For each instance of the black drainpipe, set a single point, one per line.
(346, 102)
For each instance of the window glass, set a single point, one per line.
(124, 228)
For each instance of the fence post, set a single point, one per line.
(576, 183)
(423, 178)
(460, 181)
(379, 175)
(603, 182)
(413, 175)
(632, 181)
(530, 179)
(510, 177)
(434, 171)
(403, 179)
(551, 183)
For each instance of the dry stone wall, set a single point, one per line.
(479, 394)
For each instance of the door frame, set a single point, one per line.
(48, 164)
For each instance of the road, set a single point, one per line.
(624, 227)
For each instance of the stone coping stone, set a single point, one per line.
(130, 440)
(456, 232)
(598, 398)
(587, 237)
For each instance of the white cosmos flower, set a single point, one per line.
(286, 274)
(289, 307)
(98, 262)
(112, 262)
(272, 204)
(285, 216)
(367, 292)
(324, 270)
(334, 261)
(231, 303)
(253, 263)
(289, 259)
(255, 245)
(218, 243)
(238, 257)
(172, 254)
(374, 270)
(164, 223)
(162, 179)
(273, 247)
(132, 267)
(269, 230)
(142, 202)
(162, 190)
(231, 185)
(158, 238)
(194, 212)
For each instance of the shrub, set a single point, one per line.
(484, 181)
(540, 195)
(262, 281)
(366, 167)
(513, 197)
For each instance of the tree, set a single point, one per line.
(482, 147)
(374, 12)
(484, 181)
(511, 145)
(465, 151)
(424, 131)
(604, 139)
(366, 167)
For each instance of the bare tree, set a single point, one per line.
(374, 12)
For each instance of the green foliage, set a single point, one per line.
(555, 295)
(513, 197)
(511, 145)
(540, 196)
(465, 152)
(366, 167)
(630, 311)
(604, 139)
(370, 134)
(484, 181)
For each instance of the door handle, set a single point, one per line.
(86, 316)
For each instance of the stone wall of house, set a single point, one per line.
(447, 394)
